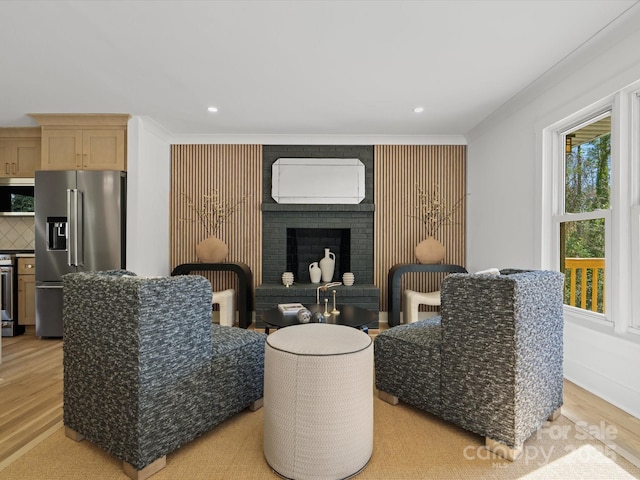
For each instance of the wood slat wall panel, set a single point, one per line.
(235, 171)
(399, 169)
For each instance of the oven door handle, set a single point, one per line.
(7, 290)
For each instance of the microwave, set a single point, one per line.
(17, 197)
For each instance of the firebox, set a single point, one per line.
(306, 245)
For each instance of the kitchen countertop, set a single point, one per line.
(17, 252)
(27, 255)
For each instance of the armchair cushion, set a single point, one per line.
(414, 379)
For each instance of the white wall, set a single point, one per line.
(148, 188)
(506, 195)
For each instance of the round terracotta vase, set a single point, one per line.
(212, 250)
(430, 251)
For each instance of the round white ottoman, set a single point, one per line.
(318, 401)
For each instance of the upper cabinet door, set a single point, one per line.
(27, 156)
(103, 149)
(19, 152)
(5, 158)
(61, 149)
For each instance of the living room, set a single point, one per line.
(509, 170)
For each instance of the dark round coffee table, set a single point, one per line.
(349, 315)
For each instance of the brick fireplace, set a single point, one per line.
(317, 229)
(294, 235)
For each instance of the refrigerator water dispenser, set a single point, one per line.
(57, 233)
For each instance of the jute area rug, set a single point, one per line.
(408, 444)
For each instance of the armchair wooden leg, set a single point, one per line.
(146, 472)
(387, 397)
(502, 450)
(555, 414)
(73, 435)
(257, 405)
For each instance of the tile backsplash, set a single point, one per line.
(17, 233)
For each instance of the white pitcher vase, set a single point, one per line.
(328, 265)
(314, 272)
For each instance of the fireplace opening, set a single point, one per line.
(306, 245)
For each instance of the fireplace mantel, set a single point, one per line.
(307, 207)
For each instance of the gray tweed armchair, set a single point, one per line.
(146, 370)
(492, 363)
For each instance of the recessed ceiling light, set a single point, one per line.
(212, 109)
(418, 110)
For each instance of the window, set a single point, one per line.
(584, 212)
(591, 211)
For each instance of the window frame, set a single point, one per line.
(621, 259)
(560, 216)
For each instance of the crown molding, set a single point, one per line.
(258, 139)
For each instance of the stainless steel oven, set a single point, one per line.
(9, 316)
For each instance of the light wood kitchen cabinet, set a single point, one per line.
(19, 152)
(83, 142)
(26, 290)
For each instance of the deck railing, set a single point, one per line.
(585, 280)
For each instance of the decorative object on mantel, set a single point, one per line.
(287, 278)
(348, 279)
(328, 265)
(211, 212)
(434, 213)
(314, 272)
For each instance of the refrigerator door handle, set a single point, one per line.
(75, 254)
(68, 234)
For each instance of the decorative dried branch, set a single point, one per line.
(433, 211)
(211, 212)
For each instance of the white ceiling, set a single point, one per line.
(286, 67)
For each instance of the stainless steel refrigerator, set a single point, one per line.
(79, 226)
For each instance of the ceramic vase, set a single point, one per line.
(328, 265)
(430, 251)
(314, 272)
(212, 250)
(348, 279)
(287, 278)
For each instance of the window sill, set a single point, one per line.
(597, 323)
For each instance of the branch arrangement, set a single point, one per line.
(211, 212)
(433, 211)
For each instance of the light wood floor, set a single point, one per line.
(31, 401)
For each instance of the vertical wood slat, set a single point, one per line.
(234, 171)
(398, 170)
